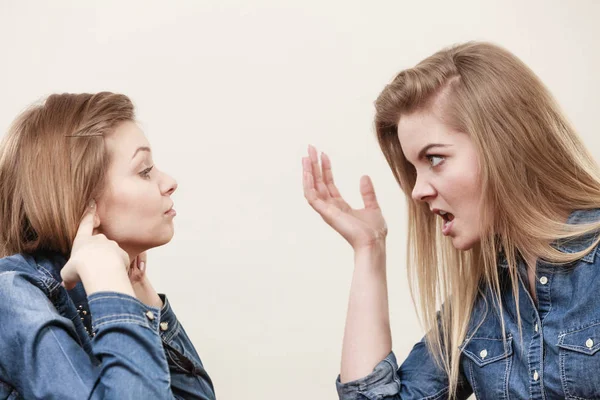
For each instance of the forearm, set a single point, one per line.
(367, 336)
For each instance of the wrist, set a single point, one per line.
(146, 293)
(376, 247)
(117, 281)
(371, 258)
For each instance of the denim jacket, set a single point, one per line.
(59, 344)
(557, 357)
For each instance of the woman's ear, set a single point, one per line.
(96, 221)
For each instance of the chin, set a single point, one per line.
(163, 240)
(463, 244)
(153, 242)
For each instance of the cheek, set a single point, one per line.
(465, 182)
(459, 189)
(125, 203)
(122, 201)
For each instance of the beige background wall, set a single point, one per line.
(230, 93)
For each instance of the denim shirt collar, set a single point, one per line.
(53, 263)
(573, 245)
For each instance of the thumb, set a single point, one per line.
(367, 192)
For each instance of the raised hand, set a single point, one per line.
(362, 228)
(95, 260)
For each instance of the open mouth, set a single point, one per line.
(448, 218)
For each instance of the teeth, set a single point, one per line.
(443, 213)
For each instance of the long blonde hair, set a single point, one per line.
(534, 168)
(53, 161)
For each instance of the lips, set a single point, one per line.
(448, 220)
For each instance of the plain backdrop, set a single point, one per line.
(230, 93)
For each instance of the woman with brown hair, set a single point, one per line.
(503, 220)
(80, 203)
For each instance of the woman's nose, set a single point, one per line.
(422, 191)
(170, 185)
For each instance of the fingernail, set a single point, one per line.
(92, 203)
(142, 266)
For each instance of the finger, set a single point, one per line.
(132, 266)
(68, 286)
(86, 226)
(326, 210)
(305, 174)
(329, 183)
(310, 192)
(367, 192)
(142, 259)
(308, 182)
(316, 172)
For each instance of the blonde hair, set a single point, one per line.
(53, 161)
(534, 168)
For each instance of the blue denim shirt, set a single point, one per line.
(558, 357)
(59, 344)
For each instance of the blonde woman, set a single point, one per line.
(503, 219)
(80, 203)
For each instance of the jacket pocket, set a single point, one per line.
(486, 364)
(579, 361)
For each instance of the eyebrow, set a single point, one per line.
(143, 148)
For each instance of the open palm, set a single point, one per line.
(360, 227)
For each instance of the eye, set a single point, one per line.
(146, 173)
(432, 158)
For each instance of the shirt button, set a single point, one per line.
(535, 328)
(589, 343)
(164, 326)
(543, 280)
(536, 376)
(150, 315)
(483, 354)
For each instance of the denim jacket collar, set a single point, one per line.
(51, 263)
(574, 245)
